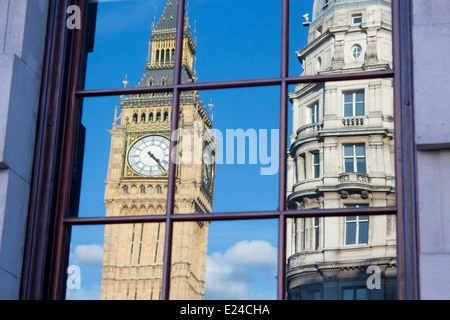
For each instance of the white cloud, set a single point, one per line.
(89, 254)
(242, 268)
(255, 253)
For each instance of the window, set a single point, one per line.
(355, 158)
(357, 18)
(356, 230)
(63, 148)
(316, 165)
(315, 295)
(357, 293)
(314, 111)
(356, 51)
(316, 233)
(354, 104)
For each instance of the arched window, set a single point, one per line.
(163, 81)
(158, 116)
(125, 189)
(173, 56)
(157, 56)
(168, 56)
(162, 56)
(166, 116)
(142, 189)
(135, 117)
(158, 189)
(150, 118)
(150, 82)
(143, 117)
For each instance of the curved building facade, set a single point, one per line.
(341, 155)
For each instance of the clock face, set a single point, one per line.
(207, 168)
(149, 156)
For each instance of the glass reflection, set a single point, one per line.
(236, 40)
(122, 157)
(229, 152)
(337, 158)
(340, 36)
(122, 37)
(224, 260)
(116, 262)
(342, 258)
(133, 261)
(342, 142)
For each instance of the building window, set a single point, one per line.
(354, 104)
(314, 113)
(355, 158)
(357, 18)
(356, 51)
(316, 233)
(356, 230)
(315, 295)
(316, 165)
(355, 293)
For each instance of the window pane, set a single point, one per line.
(349, 166)
(348, 110)
(229, 151)
(235, 40)
(361, 165)
(348, 98)
(360, 150)
(319, 32)
(121, 156)
(347, 294)
(348, 146)
(130, 43)
(360, 294)
(234, 260)
(348, 151)
(315, 295)
(359, 109)
(350, 233)
(116, 262)
(341, 268)
(363, 235)
(359, 96)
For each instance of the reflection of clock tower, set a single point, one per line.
(138, 173)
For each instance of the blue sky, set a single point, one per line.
(236, 40)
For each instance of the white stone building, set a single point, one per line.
(342, 156)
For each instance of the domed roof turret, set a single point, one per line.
(322, 8)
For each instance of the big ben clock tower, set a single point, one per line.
(137, 179)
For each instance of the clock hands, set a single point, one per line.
(156, 160)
